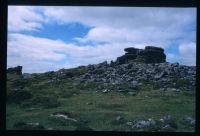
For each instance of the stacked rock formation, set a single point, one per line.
(148, 55)
(16, 70)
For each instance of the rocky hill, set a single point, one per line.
(139, 83)
(136, 67)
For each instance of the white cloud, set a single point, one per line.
(121, 16)
(134, 26)
(41, 54)
(149, 36)
(117, 27)
(38, 48)
(188, 53)
(187, 49)
(22, 18)
(154, 26)
(171, 56)
(122, 24)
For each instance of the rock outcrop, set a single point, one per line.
(148, 55)
(15, 70)
(136, 67)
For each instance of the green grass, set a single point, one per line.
(96, 110)
(100, 110)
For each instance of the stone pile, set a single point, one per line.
(163, 74)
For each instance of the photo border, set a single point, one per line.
(117, 3)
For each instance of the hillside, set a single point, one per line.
(139, 91)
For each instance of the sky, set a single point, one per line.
(49, 38)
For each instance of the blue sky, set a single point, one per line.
(65, 32)
(50, 38)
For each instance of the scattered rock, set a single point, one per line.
(136, 66)
(166, 123)
(143, 124)
(189, 121)
(169, 120)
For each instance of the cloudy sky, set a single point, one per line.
(50, 38)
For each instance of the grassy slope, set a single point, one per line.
(99, 110)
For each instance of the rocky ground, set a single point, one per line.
(128, 97)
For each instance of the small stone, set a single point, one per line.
(132, 93)
(167, 128)
(129, 123)
(147, 97)
(34, 124)
(118, 118)
(140, 84)
(105, 91)
(88, 103)
(162, 120)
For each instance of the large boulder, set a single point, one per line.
(150, 54)
(15, 70)
(154, 55)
